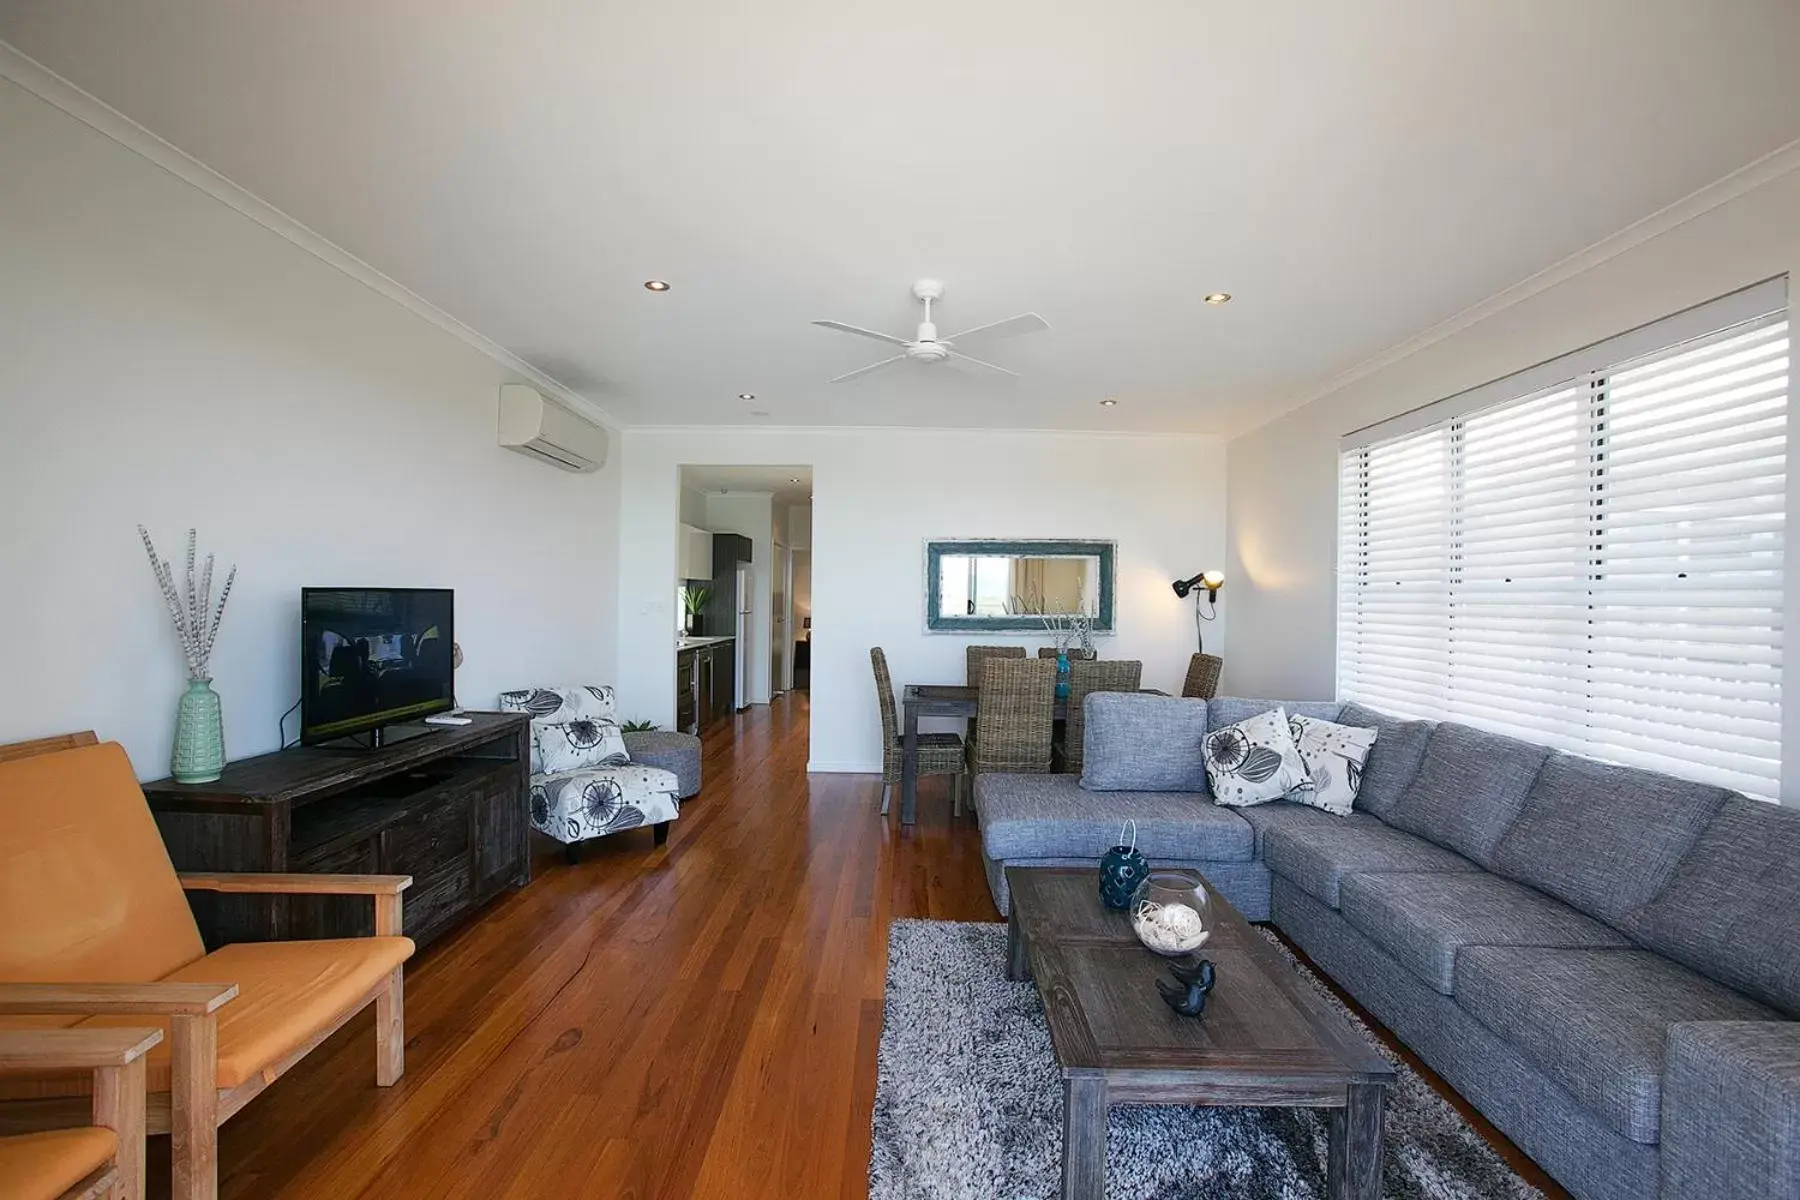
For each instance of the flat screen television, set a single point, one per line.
(371, 657)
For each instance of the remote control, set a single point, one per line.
(449, 720)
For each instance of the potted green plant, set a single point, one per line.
(693, 603)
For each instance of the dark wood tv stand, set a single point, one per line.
(450, 809)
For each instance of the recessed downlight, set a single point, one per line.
(656, 285)
(1218, 298)
(794, 479)
(1109, 402)
(746, 396)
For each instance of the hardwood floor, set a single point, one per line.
(698, 1019)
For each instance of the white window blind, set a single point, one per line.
(1595, 565)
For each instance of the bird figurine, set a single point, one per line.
(1187, 995)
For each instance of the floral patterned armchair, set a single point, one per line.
(583, 782)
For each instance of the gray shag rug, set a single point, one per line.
(968, 1104)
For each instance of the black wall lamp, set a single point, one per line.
(1212, 581)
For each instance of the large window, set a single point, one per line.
(1588, 555)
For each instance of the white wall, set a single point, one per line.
(165, 360)
(878, 495)
(750, 514)
(693, 507)
(1283, 491)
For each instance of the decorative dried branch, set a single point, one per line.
(191, 610)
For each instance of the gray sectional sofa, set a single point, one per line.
(1604, 961)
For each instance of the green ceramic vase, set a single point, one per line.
(199, 753)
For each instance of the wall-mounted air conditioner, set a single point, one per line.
(533, 424)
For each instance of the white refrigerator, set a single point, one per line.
(745, 611)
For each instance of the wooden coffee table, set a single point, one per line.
(1266, 1038)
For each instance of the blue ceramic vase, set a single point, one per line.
(1062, 677)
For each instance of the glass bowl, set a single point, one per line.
(1170, 912)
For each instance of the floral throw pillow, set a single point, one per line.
(1333, 756)
(1253, 761)
(576, 745)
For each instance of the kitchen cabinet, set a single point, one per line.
(705, 684)
(694, 553)
(687, 713)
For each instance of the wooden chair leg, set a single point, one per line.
(661, 832)
(390, 1003)
(119, 1106)
(390, 1030)
(572, 852)
(194, 1106)
(887, 791)
(956, 794)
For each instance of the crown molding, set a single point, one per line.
(101, 117)
(1087, 435)
(1738, 183)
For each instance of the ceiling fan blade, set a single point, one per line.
(961, 357)
(874, 366)
(861, 332)
(1011, 327)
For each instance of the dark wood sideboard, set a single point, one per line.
(450, 808)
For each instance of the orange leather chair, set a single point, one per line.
(95, 931)
(102, 1159)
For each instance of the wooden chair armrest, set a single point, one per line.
(87, 999)
(71, 1049)
(297, 885)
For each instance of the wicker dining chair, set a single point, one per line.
(1074, 654)
(1102, 675)
(1014, 713)
(1202, 681)
(974, 656)
(939, 753)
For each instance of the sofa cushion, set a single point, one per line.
(1052, 816)
(1424, 919)
(1334, 756)
(287, 993)
(1140, 743)
(1229, 710)
(1729, 911)
(1604, 838)
(48, 1163)
(1280, 814)
(1394, 759)
(1595, 1021)
(577, 805)
(1469, 790)
(1254, 761)
(1317, 855)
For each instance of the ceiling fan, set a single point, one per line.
(928, 347)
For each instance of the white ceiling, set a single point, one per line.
(1353, 173)
(788, 485)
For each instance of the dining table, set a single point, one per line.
(952, 700)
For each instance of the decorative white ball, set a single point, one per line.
(1169, 928)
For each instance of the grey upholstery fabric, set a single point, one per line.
(1318, 855)
(1731, 1110)
(1140, 743)
(1281, 814)
(1542, 1119)
(1052, 816)
(1469, 790)
(1601, 837)
(1229, 710)
(1595, 1021)
(1424, 919)
(677, 752)
(1730, 910)
(1244, 884)
(1393, 761)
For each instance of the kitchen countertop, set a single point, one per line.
(694, 643)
